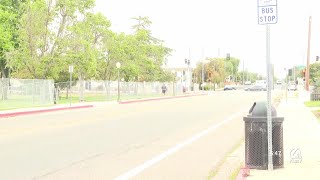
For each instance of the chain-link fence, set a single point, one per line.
(15, 93)
(108, 90)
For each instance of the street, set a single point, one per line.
(109, 141)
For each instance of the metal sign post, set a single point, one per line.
(267, 14)
(269, 118)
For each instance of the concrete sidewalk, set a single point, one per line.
(301, 140)
(60, 107)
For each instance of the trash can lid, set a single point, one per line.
(259, 109)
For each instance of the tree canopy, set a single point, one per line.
(41, 38)
(217, 69)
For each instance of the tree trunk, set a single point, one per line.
(107, 88)
(5, 83)
(81, 91)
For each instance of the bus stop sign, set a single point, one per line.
(267, 12)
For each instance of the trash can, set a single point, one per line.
(256, 137)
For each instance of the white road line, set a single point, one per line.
(147, 164)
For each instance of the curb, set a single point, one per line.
(21, 113)
(13, 114)
(244, 171)
(159, 99)
(243, 174)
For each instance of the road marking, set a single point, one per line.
(147, 164)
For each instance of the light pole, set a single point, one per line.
(174, 79)
(243, 74)
(187, 61)
(225, 66)
(286, 86)
(202, 74)
(118, 67)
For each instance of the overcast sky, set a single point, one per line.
(223, 26)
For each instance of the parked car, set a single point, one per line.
(292, 87)
(247, 83)
(229, 87)
(256, 87)
(279, 82)
(262, 83)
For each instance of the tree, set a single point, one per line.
(214, 71)
(143, 23)
(85, 46)
(9, 16)
(56, 33)
(146, 53)
(248, 76)
(44, 27)
(232, 65)
(315, 74)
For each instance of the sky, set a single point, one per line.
(196, 29)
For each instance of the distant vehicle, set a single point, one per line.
(292, 87)
(262, 83)
(256, 87)
(229, 87)
(279, 82)
(247, 83)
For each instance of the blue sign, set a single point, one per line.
(267, 12)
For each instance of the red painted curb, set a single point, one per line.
(13, 114)
(158, 99)
(243, 174)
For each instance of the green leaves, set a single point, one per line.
(8, 20)
(315, 73)
(49, 35)
(217, 69)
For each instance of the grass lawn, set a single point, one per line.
(234, 175)
(18, 102)
(317, 114)
(215, 171)
(312, 103)
(99, 98)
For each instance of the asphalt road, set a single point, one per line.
(110, 141)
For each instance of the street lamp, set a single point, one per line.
(118, 65)
(286, 88)
(187, 61)
(174, 79)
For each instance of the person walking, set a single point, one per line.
(164, 89)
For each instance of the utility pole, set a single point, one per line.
(294, 73)
(247, 74)
(307, 76)
(188, 79)
(225, 65)
(243, 73)
(203, 60)
(189, 76)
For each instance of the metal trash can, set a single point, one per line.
(256, 137)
